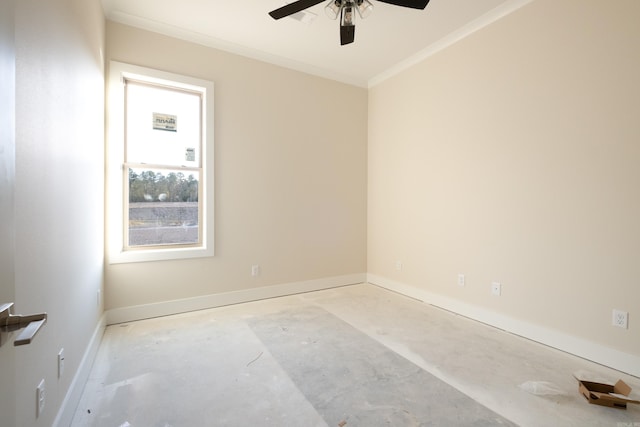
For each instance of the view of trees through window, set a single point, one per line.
(149, 186)
(163, 207)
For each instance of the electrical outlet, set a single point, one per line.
(60, 363)
(496, 289)
(40, 398)
(98, 298)
(460, 279)
(399, 265)
(620, 319)
(255, 270)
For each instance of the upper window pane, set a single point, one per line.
(163, 125)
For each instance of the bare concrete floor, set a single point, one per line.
(352, 356)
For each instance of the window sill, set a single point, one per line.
(147, 255)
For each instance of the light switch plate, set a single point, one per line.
(496, 289)
(60, 363)
(40, 398)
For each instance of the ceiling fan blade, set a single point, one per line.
(292, 8)
(414, 4)
(347, 34)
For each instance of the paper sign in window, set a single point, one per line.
(165, 122)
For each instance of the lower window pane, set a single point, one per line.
(163, 207)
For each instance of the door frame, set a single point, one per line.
(7, 204)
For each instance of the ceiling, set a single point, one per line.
(388, 41)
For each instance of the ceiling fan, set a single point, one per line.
(344, 9)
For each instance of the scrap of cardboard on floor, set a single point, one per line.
(613, 396)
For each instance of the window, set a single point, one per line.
(160, 150)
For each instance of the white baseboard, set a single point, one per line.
(623, 362)
(146, 311)
(72, 398)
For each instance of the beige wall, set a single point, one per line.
(513, 156)
(58, 192)
(290, 176)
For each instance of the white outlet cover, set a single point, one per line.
(460, 279)
(620, 318)
(255, 270)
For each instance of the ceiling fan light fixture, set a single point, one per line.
(347, 17)
(364, 8)
(347, 25)
(332, 9)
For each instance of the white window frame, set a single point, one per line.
(116, 190)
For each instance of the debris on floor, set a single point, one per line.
(612, 396)
(542, 388)
(255, 359)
